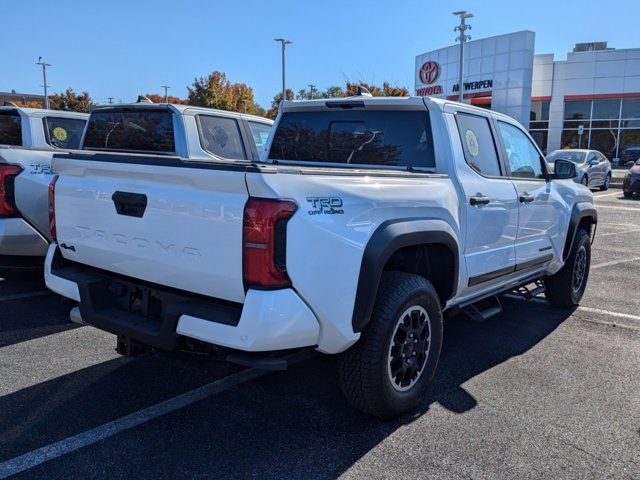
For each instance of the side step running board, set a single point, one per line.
(528, 293)
(482, 310)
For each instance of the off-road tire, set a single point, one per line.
(561, 290)
(363, 371)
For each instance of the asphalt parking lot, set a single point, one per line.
(534, 392)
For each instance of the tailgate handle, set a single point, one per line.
(130, 204)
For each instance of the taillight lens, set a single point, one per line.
(52, 208)
(7, 200)
(264, 242)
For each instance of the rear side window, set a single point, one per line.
(260, 134)
(357, 137)
(63, 132)
(10, 129)
(131, 131)
(478, 144)
(221, 136)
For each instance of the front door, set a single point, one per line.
(491, 204)
(538, 223)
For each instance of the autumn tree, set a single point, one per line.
(275, 103)
(28, 103)
(71, 101)
(387, 90)
(157, 98)
(216, 91)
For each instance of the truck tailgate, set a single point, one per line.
(153, 218)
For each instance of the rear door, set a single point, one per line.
(538, 223)
(491, 204)
(155, 217)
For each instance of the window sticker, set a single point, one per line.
(60, 133)
(472, 142)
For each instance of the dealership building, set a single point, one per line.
(590, 100)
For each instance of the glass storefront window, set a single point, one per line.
(575, 125)
(631, 108)
(571, 139)
(538, 125)
(577, 109)
(605, 141)
(540, 137)
(539, 111)
(629, 137)
(629, 123)
(606, 109)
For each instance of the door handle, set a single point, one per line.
(526, 198)
(479, 200)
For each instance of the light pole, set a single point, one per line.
(462, 38)
(110, 100)
(44, 79)
(312, 87)
(166, 95)
(284, 43)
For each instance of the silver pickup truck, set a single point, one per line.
(28, 139)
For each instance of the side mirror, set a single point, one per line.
(593, 162)
(564, 169)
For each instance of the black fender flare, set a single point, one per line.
(579, 211)
(390, 236)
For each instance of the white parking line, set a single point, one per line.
(607, 195)
(41, 455)
(618, 233)
(18, 296)
(609, 313)
(615, 262)
(627, 209)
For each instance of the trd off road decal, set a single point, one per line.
(325, 205)
(41, 169)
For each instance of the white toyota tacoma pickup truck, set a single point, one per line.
(28, 139)
(362, 223)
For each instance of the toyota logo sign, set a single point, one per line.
(429, 72)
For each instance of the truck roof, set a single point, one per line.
(180, 109)
(391, 103)
(43, 112)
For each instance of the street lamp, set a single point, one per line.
(44, 79)
(284, 43)
(462, 38)
(312, 87)
(166, 94)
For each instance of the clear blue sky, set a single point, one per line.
(122, 48)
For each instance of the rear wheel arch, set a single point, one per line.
(411, 246)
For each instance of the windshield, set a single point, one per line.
(356, 137)
(575, 157)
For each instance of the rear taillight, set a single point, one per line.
(52, 208)
(7, 199)
(264, 242)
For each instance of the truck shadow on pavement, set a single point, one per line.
(285, 425)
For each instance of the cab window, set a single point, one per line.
(63, 132)
(260, 133)
(524, 159)
(478, 144)
(10, 128)
(221, 136)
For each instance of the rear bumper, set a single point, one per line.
(18, 238)
(267, 321)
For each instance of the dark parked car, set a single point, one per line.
(629, 154)
(631, 183)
